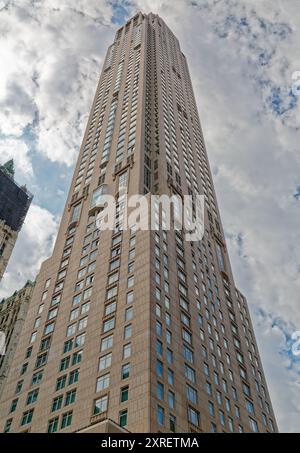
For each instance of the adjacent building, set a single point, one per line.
(14, 204)
(138, 329)
(13, 312)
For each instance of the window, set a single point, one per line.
(172, 423)
(123, 418)
(128, 314)
(253, 425)
(110, 308)
(73, 377)
(125, 371)
(36, 378)
(129, 297)
(28, 352)
(124, 394)
(53, 425)
(68, 345)
(126, 351)
(105, 362)
(250, 407)
(222, 417)
(159, 347)
(70, 397)
(193, 416)
(52, 313)
(85, 308)
(66, 420)
(108, 325)
(82, 323)
(127, 332)
(13, 405)
(7, 426)
(130, 282)
(87, 293)
(64, 364)
(160, 391)
(111, 292)
(57, 403)
(102, 382)
(160, 415)
(211, 409)
(191, 394)
(76, 213)
(170, 377)
(60, 383)
(33, 337)
(77, 356)
(41, 360)
(159, 368)
(74, 314)
(171, 399)
(45, 343)
(106, 343)
(24, 368)
(49, 328)
(27, 417)
(32, 396)
(113, 278)
(189, 373)
(100, 405)
(188, 354)
(19, 386)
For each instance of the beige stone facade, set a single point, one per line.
(8, 239)
(141, 328)
(13, 311)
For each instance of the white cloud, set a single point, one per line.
(34, 245)
(51, 53)
(16, 149)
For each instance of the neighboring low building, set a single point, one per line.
(13, 311)
(14, 204)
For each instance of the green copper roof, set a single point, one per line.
(9, 168)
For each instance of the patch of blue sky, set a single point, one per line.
(121, 10)
(51, 180)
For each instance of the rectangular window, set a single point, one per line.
(124, 394)
(193, 416)
(125, 371)
(123, 418)
(105, 362)
(27, 417)
(102, 382)
(66, 420)
(100, 405)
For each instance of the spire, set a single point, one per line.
(9, 168)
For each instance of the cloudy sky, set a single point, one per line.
(242, 54)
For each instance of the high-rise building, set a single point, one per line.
(13, 312)
(14, 204)
(140, 329)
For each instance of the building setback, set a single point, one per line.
(14, 204)
(140, 329)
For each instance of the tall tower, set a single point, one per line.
(139, 329)
(14, 204)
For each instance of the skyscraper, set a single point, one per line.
(138, 329)
(14, 204)
(13, 312)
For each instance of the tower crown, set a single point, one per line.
(9, 168)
